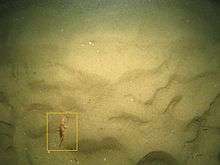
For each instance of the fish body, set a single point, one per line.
(62, 128)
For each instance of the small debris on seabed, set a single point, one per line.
(91, 43)
(131, 99)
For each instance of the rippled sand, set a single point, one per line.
(144, 77)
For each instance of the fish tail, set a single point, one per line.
(61, 140)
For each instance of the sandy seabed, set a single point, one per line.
(144, 77)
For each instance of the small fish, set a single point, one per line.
(62, 129)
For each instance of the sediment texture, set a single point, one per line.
(144, 77)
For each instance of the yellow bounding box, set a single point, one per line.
(62, 131)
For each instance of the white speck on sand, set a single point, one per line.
(91, 43)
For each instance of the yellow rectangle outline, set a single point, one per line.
(77, 130)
